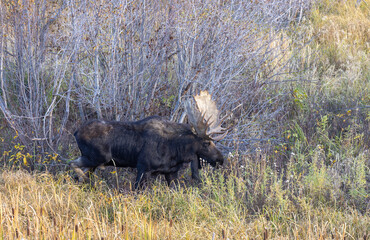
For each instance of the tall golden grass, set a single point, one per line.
(43, 206)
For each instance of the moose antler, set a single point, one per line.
(204, 116)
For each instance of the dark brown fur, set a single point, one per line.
(151, 145)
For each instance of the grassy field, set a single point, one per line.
(314, 185)
(42, 206)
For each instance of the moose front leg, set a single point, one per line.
(83, 172)
(195, 166)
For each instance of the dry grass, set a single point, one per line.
(42, 206)
(343, 36)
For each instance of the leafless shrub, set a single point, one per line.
(66, 61)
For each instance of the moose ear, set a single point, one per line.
(193, 130)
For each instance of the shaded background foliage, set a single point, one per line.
(67, 61)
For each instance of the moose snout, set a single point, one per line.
(219, 161)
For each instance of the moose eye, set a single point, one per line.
(206, 144)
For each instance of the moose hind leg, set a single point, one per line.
(140, 179)
(79, 166)
(172, 177)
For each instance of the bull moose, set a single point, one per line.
(153, 144)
